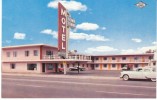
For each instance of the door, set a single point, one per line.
(92, 66)
(43, 67)
(56, 67)
(138, 74)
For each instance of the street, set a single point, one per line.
(14, 86)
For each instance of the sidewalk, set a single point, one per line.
(60, 76)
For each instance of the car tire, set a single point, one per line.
(125, 77)
(153, 79)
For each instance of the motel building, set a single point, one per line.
(117, 62)
(38, 58)
(41, 58)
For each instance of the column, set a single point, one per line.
(65, 67)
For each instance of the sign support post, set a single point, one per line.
(65, 22)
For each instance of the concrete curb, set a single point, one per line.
(60, 76)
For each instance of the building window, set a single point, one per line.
(12, 66)
(35, 52)
(82, 65)
(31, 66)
(113, 65)
(150, 57)
(105, 58)
(136, 65)
(14, 54)
(87, 65)
(97, 58)
(8, 54)
(135, 58)
(113, 58)
(49, 66)
(154, 63)
(68, 65)
(49, 52)
(97, 65)
(123, 58)
(26, 53)
(105, 65)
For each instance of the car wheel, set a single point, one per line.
(125, 77)
(153, 79)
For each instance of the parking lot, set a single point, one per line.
(102, 73)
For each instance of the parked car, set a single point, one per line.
(140, 73)
(76, 68)
(61, 69)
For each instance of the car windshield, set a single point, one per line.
(139, 69)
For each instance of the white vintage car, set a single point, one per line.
(140, 73)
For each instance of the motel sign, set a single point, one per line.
(65, 22)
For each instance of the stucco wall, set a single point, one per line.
(21, 54)
(20, 68)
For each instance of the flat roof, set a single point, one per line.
(33, 45)
(28, 45)
(144, 54)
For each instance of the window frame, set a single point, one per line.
(35, 52)
(105, 65)
(26, 53)
(12, 65)
(97, 58)
(123, 58)
(14, 53)
(114, 66)
(49, 52)
(34, 67)
(49, 66)
(136, 58)
(8, 54)
(105, 58)
(113, 58)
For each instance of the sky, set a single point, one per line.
(102, 26)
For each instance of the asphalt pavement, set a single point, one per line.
(36, 86)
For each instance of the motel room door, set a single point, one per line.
(56, 67)
(92, 67)
(43, 67)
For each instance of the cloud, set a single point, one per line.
(138, 50)
(128, 51)
(136, 40)
(50, 32)
(154, 43)
(19, 36)
(103, 28)
(77, 36)
(70, 5)
(87, 26)
(100, 49)
(88, 37)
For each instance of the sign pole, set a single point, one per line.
(65, 67)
